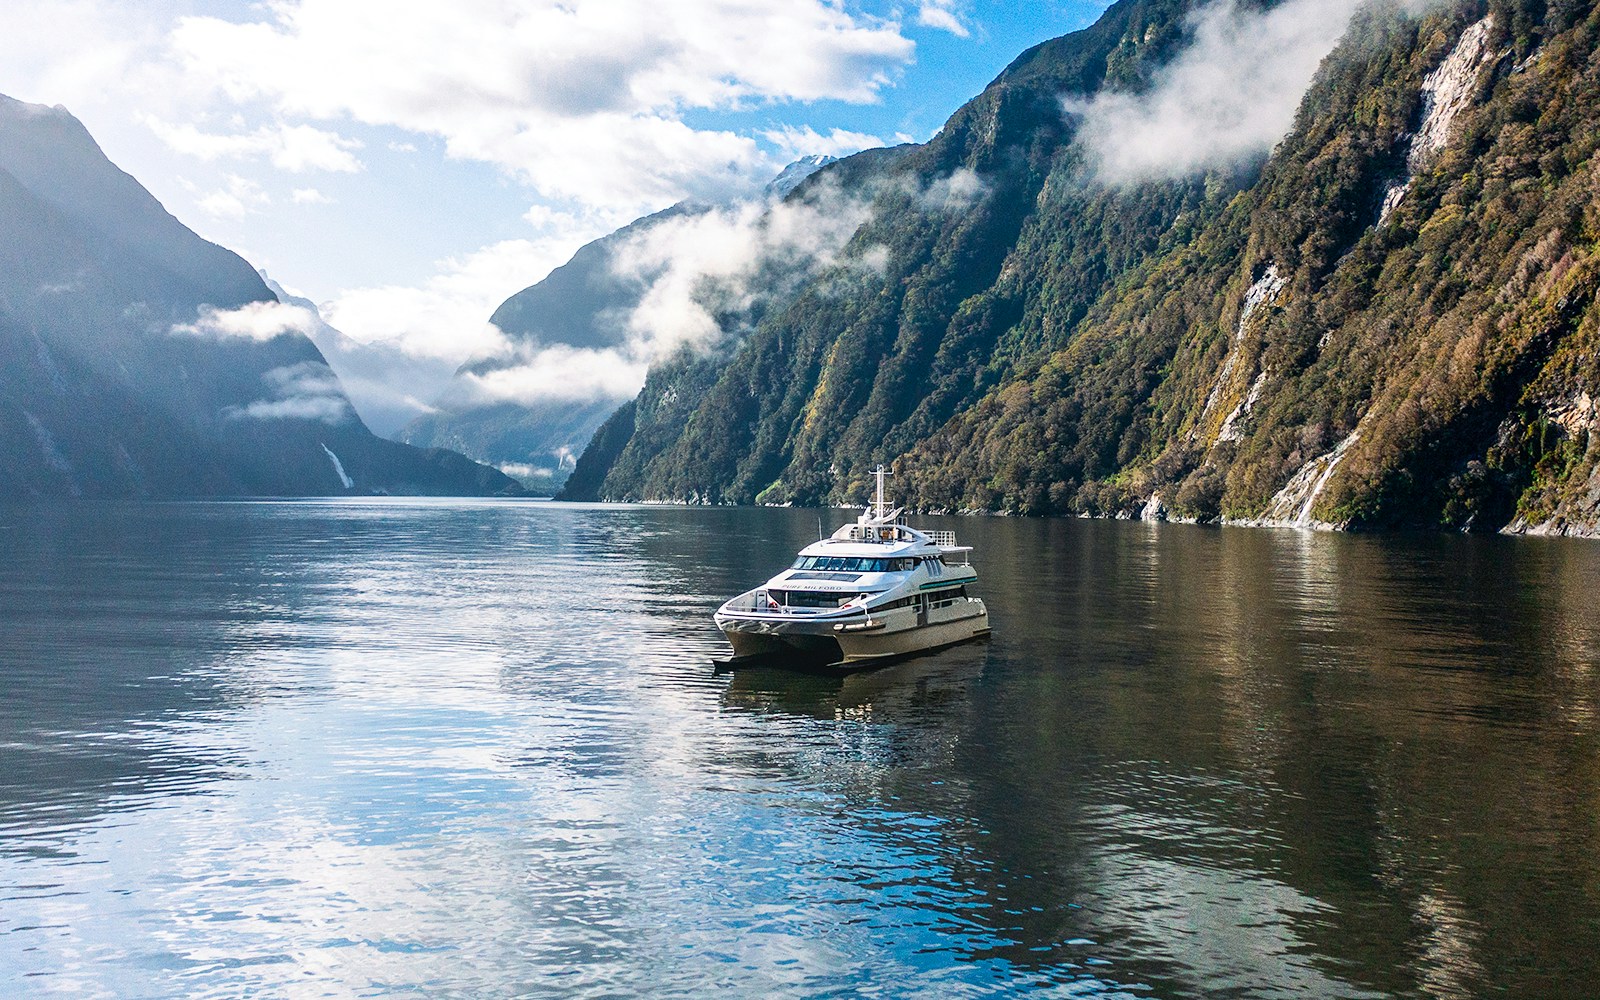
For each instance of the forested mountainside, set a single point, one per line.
(138, 360)
(1389, 321)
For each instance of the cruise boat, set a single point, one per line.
(876, 590)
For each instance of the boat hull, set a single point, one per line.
(855, 644)
(864, 648)
(749, 644)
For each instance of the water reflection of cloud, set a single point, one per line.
(1174, 875)
(480, 748)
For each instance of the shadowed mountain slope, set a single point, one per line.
(136, 358)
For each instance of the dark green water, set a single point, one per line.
(476, 749)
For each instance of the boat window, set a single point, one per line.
(945, 598)
(844, 564)
(809, 599)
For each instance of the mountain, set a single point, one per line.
(583, 304)
(1389, 321)
(137, 359)
(791, 176)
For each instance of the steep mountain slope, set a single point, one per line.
(132, 362)
(926, 314)
(1328, 353)
(1388, 322)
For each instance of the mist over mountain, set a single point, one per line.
(137, 359)
(388, 387)
(1131, 279)
(574, 350)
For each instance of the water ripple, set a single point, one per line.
(476, 749)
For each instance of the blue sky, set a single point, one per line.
(410, 164)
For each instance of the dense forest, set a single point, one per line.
(1388, 321)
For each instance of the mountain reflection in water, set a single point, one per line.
(478, 748)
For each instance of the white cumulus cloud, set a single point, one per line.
(700, 270)
(560, 372)
(944, 15)
(955, 192)
(240, 197)
(446, 316)
(721, 261)
(584, 99)
(1230, 95)
(295, 148)
(797, 141)
(306, 391)
(253, 321)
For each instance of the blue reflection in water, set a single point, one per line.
(357, 748)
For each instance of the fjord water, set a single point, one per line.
(477, 749)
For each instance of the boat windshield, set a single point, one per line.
(853, 564)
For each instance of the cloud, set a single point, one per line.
(241, 197)
(583, 99)
(942, 14)
(446, 316)
(559, 373)
(566, 460)
(873, 260)
(306, 391)
(722, 262)
(295, 148)
(795, 142)
(707, 274)
(253, 321)
(704, 274)
(75, 52)
(602, 110)
(1228, 97)
(956, 192)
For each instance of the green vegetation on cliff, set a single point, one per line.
(1389, 321)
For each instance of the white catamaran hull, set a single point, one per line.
(860, 641)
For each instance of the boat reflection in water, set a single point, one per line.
(934, 689)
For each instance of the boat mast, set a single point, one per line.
(882, 506)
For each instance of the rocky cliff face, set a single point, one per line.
(136, 359)
(1389, 321)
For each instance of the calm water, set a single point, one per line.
(477, 750)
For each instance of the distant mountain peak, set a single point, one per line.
(10, 105)
(796, 172)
